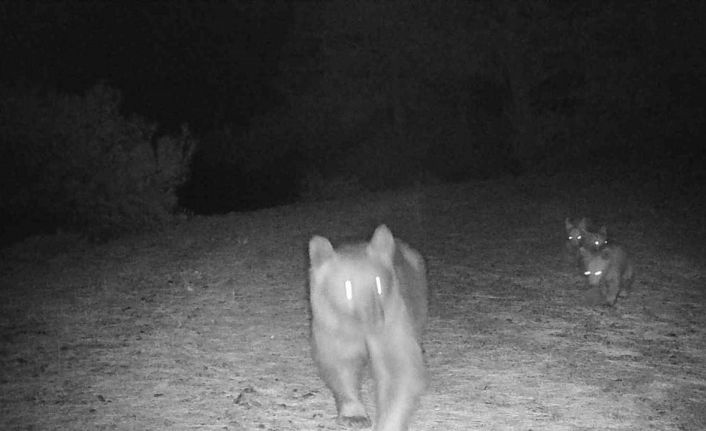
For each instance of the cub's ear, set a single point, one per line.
(585, 253)
(382, 244)
(320, 250)
(603, 231)
(584, 223)
(568, 224)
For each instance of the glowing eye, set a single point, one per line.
(349, 290)
(599, 272)
(587, 273)
(578, 236)
(379, 285)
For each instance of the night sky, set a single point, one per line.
(175, 62)
(288, 98)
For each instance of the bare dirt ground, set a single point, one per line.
(205, 325)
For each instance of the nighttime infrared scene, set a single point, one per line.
(353, 214)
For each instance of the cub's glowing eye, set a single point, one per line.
(379, 285)
(578, 236)
(598, 272)
(349, 290)
(587, 273)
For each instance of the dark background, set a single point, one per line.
(312, 100)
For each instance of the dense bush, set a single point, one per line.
(75, 162)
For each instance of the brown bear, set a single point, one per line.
(369, 306)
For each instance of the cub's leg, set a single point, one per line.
(572, 255)
(341, 361)
(626, 281)
(400, 378)
(612, 289)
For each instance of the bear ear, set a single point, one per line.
(584, 223)
(584, 253)
(382, 243)
(320, 250)
(568, 224)
(603, 231)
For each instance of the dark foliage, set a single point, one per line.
(73, 162)
(328, 98)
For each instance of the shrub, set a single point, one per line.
(75, 162)
(314, 187)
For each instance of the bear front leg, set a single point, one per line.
(341, 362)
(400, 378)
